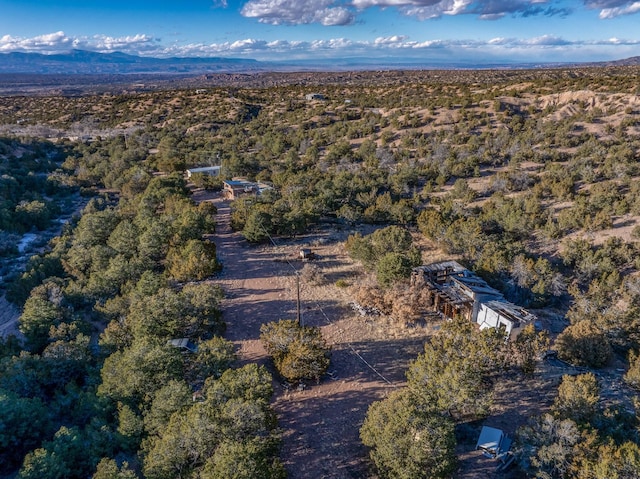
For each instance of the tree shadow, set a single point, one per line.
(321, 424)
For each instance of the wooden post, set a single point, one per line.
(298, 302)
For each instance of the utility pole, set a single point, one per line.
(298, 303)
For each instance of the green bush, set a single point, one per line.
(208, 182)
(632, 376)
(584, 344)
(391, 268)
(299, 352)
(409, 441)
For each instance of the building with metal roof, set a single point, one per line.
(454, 291)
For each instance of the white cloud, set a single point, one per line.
(335, 16)
(484, 9)
(422, 9)
(59, 42)
(248, 44)
(138, 43)
(344, 12)
(295, 12)
(458, 7)
(600, 4)
(427, 9)
(362, 4)
(618, 11)
(334, 44)
(618, 41)
(430, 44)
(613, 8)
(547, 40)
(542, 48)
(48, 43)
(392, 40)
(341, 12)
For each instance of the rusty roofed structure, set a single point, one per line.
(233, 189)
(453, 290)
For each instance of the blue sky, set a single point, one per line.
(427, 30)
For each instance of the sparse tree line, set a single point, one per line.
(580, 437)
(412, 433)
(114, 243)
(98, 390)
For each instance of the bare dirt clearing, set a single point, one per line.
(320, 423)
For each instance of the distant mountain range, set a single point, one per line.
(81, 62)
(85, 63)
(627, 62)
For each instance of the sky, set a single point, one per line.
(478, 31)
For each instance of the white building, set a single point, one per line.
(205, 170)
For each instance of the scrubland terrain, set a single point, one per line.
(529, 178)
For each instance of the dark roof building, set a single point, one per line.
(237, 187)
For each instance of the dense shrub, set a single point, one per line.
(299, 352)
(584, 344)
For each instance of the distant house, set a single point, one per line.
(205, 170)
(232, 189)
(455, 291)
(315, 96)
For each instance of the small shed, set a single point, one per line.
(233, 189)
(493, 442)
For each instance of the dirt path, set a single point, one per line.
(320, 424)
